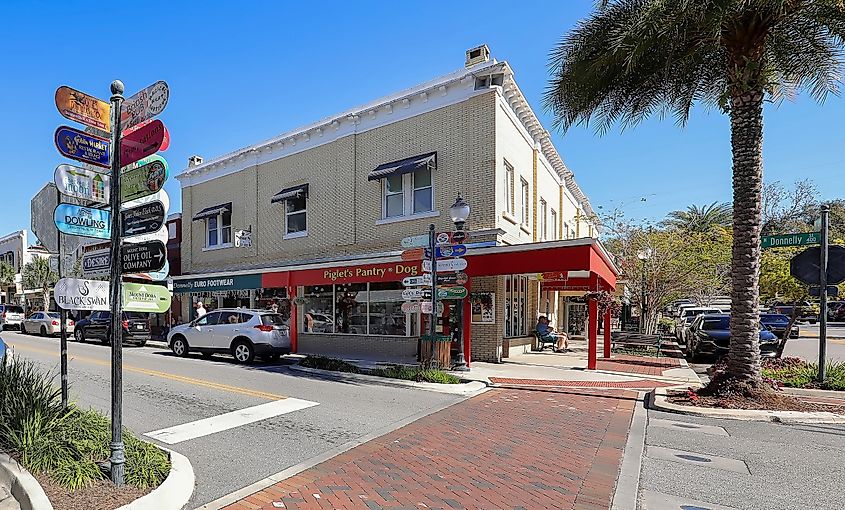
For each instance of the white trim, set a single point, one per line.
(510, 218)
(295, 235)
(417, 216)
(218, 247)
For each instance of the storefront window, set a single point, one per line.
(318, 309)
(386, 315)
(357, 309)
(235, 298)
(351, 308)
(516, 300)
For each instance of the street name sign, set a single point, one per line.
(456, 237)
(449, 250)
(451, 292)
(81, 107)
(79, 294)
(141, 143)
(419, 241)
(145, 104)
(81, 146)
(143, 257)
(83, 221)
(143, 219)
(445, 265)
(418, 293)
(806, 266)
(96, 263)
(412, 281)
(82, 183)
(459, 278)
(144, 180)
(145, 297)
(413, 254)
(798, 239)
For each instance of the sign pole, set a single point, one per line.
(118, 458)
(823, 293)
(63, 326)
(432, 243)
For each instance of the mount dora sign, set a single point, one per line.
(79, 294)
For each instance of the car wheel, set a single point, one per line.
(243, 352)
(43, 330)
(179, 346)
(79, 336)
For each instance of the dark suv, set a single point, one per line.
(136, 328)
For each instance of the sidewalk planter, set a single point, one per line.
(23, 486)
(438, 350)
(174, 492)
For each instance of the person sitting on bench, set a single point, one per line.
(546, 331)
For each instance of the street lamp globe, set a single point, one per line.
(459, 212)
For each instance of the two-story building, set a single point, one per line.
(326, 206)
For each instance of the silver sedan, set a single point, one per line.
(45, 323)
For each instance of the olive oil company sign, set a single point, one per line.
(79, 294)
(83, 221)
(144, 297)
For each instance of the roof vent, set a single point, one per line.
(194, 161)
(477, 55)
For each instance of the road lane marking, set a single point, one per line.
(215, 424)
(164, 375)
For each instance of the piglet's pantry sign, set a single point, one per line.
(359, 274)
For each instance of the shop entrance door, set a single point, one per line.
(576, 320)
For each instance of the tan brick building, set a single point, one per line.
(336, 197)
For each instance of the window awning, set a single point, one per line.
(291, 192)
(404, 166)
(213, 211)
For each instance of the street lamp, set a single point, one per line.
(459, 212)
(643, 255)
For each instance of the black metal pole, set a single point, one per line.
(118, 458)
(461, 362)
(642, 301)
(62, 320)
(432, 245)
(823, 294)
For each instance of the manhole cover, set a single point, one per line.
(694, 458)
(686, 426)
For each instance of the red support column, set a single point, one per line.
(592, 333)
(607, 334)
(294, 328)
(467, 326)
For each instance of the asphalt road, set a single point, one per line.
(162, 391)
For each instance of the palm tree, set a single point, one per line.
(700, 219)
(38, 275)
(633, 58)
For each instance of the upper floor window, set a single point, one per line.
(509, 188)
(407, 186)
(296, 204)
(544, 227)
(526, 200)
(553, 220)
(219, 230)
(171, 230)
(566, 230)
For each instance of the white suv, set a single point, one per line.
(242, 333)
(11, 316)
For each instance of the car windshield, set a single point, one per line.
(716, 323)
(14, 309)
(272, 319)
(774, 317)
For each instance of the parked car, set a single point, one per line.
(136, 328)
(805, 310)
(242, 333)
(710, 334)
(777, 324)
(45, 323)
(836, 311)
(11, 316)
(687, 316)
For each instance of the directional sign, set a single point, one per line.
(96, 263)
(806, 266)
(420, 306)
(143, 219)
(411, 281)
(413, 254)
(415, 241)
(158, 235)
(144, 180)
(143, 257)
(451, 292)
(145, 104)
(141, 143)
(78, 294)
(449, 250)
(82, 183)
(145, 297)
(164, 143)
(83, 221)
(418, 293)
(81, 107)
(161, 196)
(154, 276)
(459, 278)
(455, 237)
(81, 146)
(799, 239)
(445, 265)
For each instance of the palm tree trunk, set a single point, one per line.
(747, 147)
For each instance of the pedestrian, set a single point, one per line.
(200, 309)
(546, 331)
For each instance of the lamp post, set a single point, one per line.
(643, 255)
(459, 212)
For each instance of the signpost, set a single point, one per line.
(78, 294)
(81, 107)
(81, 146)
(458, 278)
(143, 219)
(409, 294)
(421, 307)
(456, 237)
(450, 250)
(145, 297)
(445, 265)
(82, 183)
(798, 239)
(82, 221)
(413, 254)
(142, 181)
(141, 143)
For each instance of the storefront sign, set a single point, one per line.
(446, 265)
(459, 278)
(75, 144)
(81, 107)
(455, 237)
(243, 238)
(78, 294)
(145, 104)
(145, 297)
(82, 183)
(415, 241)
(144, 180)
(239, 282)
(412, 281)
(83, 221)
(358, 274)
(408, 294)
(143, 219)
(451, 292)
(96, 263)
(413, 254)
(141, 143)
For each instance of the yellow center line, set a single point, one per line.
(156, 373)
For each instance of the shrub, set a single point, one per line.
(797, 373)
(416, 374)
(326, 363)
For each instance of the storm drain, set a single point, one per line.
(658, 501)
(687, 427)
(695, 458)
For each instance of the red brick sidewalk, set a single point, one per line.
(638, 384)
(504, 449)
(638, 364)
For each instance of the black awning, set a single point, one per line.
(213, 211)
(404, 166)
(291, 192)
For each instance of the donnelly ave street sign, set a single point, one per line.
(797, 239)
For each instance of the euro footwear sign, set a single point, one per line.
(79, 294)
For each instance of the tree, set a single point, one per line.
(7, 275)
(701, 219)
(788, 210)
(38, 275)
(634, 58)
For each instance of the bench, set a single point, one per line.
(543, 341)
(627, 338)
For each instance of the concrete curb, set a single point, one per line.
(808, 392)
(657, 400)
(628, 484)
(174, 492)
(467, 388)
(23, 486)
(157, 344)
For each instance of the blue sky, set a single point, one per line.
(241, 72)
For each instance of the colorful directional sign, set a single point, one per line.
(459, 278)
(81, 146)
(164, 144)
(144, 219)
(451, 292)
(83, 221)
(144, 180)
(142, 257)
(445, 265)
(145, 297)
(81, 107)
(78, 294)
(418, 293)
(419, 241)
(413, 254)
(161, 196)
(141, 143)
(455, 237)
(449, 250)
(82, 183)
(145, 104)
(412, 281)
